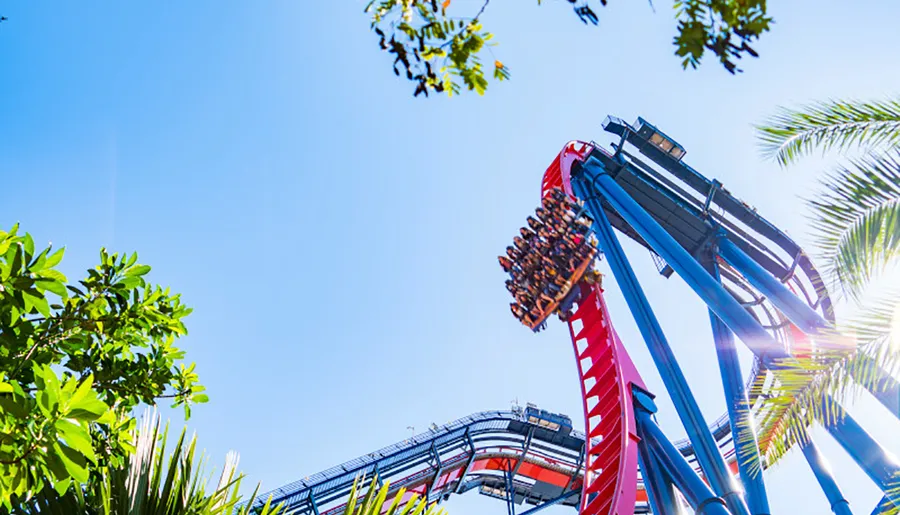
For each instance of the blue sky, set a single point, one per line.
(337, 237)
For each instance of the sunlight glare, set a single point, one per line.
(895, 329)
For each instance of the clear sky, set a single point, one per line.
(337, 237)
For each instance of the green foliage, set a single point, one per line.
(724, 27)
(856, 221)
(374, 501)
(856, 226)
(75, 360)
(152, 482)
(432, 49)
(843, 366)
(442, 53)
(885, 506)
(834, 125)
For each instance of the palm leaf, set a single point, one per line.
(885, 506)
(375, 500)
(856, 221)
(837, 125)
(794, 402)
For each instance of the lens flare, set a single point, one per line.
(895, 329)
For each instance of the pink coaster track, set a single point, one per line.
(606, 375)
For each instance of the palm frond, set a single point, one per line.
(885, 506)
(836, 370)
(836, 124)
(856, 220)
(376, 500)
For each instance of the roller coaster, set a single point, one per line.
(758, 285)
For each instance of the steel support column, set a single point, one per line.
(819, 466)
(525, 447)
(708, 454)
(797, 311)
(510, 492)
(659, 487)
(881, 466)
(698, 494)
(594, 180)
(883, 506)
(437, 474)
(886, 389)
(312, 502)
(469, 463)
(376, 475)
(578, 464)
(746, 449)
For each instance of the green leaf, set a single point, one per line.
(6, 388)
(130, 282)
(62, 487)
(88, 410)
(35, 299)
(28, 246)
(77, 437)
(74, 462)
(55, 258)
(83, 391)
(53, 286)
(48, 389)
(138, 270)
(201, 398)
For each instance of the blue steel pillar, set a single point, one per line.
(884, 506)
(697, 493)
(659, 487)
(593, 181)
(795, 309)
(820, 468)
(886, 389)
(746, 451)
(708, 455)
(879, 465)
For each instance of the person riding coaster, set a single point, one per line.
(547, 259)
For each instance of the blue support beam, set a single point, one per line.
(659, 487)
(795, 309)
(469, 463)
(437, 474)
(525, 447)
(746, 450)
(708, 454)
(884, 387)
(578, 466)
(376, 475)
(593, 180)
(877, 462)
(510, 492)
(819, 466)
(698, 494)
(884, 506)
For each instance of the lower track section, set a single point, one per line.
(514, 456)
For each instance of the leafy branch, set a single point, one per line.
(724, 27)
(443, 53)
(75, 360)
